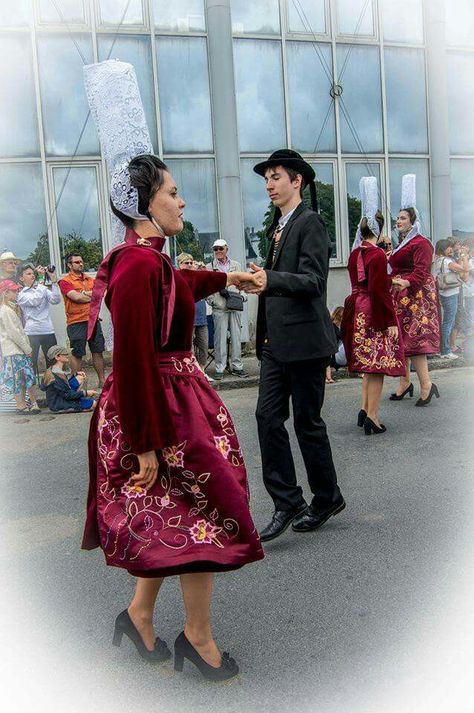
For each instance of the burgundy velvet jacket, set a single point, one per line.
(413, 262)
(373, 277)
(135, 300)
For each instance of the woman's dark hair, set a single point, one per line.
(146, 175)
(411, 214)
(365, 231)
(442, 246)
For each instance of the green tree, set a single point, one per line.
(40, 255)
(90, 250)
(187, 241)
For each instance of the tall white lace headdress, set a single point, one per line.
(116, 106)
(369, 199)
(409, 198)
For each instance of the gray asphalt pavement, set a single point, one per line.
(370, 613)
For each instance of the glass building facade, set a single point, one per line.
(344, 82)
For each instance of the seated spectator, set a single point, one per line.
(338, 359)
(64, 394)
(17, 375)
(444, 263)
(34, 301)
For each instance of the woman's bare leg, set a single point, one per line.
(142, 607)
(21, 399)
(374, 392)
(197, 593)
(420, 363)
(405, 380)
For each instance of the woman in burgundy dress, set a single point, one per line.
(417, 305)
(370, 327)
(168, 491)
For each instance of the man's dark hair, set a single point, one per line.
(411, 214)
(69, 256)
(146, 175)
(365, 231)
(294, 174)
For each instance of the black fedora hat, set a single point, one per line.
(288, 159)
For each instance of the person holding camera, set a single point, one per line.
(227, 306)
(76, 288)
(34, 300)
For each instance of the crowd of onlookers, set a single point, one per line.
(27, 292)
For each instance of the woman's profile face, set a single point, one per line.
(403, 222)
(167, 206)
(28, 277)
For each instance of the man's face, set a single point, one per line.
(221, 252)
(77, 264)
(9, 266)
(280, 188)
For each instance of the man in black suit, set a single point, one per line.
(295, 340)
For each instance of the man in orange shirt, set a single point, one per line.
(76, 288)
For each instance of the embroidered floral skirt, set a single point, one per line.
(419, 317)
(196, 516)
(369, 351)
(17, 373)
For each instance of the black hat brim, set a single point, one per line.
(296, 164)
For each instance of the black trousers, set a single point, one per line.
(304, 383)
(45, 341)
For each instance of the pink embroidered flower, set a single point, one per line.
(133, 491)
(164, 501)
(203, 533)
(174, 456)
(222, 444)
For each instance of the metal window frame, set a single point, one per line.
(302, 35)
(111, 27)
(73, 25)
(375, 37)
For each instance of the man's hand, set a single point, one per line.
(257, 281)
(148, 473)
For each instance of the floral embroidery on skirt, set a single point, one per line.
(418, 315)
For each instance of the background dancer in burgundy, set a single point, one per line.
(370, 325)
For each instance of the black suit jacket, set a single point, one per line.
(292, 311)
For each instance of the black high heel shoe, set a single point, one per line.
(124, 625)
(409, 390)
(433, 392)
(361, 416)
(371, 427)
(183, 649)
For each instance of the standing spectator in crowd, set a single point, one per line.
(8, 265)
(468, 286)
(77, 291)
(63, 394)
(34, 301)
(227, 307)
(443, 264)
(17, 375)
(200, 333)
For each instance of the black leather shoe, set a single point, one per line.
(280, 521)
(309, 520)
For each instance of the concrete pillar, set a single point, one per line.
(435, 30)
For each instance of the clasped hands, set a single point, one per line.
(253, 283)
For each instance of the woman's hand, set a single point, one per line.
(392, 332)
(148, 472)
(400, 284)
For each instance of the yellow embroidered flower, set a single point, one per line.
(414, 308)
(203, 533)
(424, 320)
(404, 301)
(174, 456)
(130, 490)
(223, 445)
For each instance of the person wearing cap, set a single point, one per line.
(295, 341)
(225, 320)
(63, 394)
(17, 375)
(200, 333)
(8, 265)
(76, 288)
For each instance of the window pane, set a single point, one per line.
(462, 190)
(250, 16)
(259, 90)
(184, 94)
(307, 16)
(312, 118)
(406, 100)
(361, 121)
(355, 17)
(460, 23)
(461, 102)
(179, 15)
(15, 13)
(77, 214)
(135, 49)
(398, 167)
(196, 181)
(354, 172)
(22, 230)
(63, 97)
(256, 205)
(61, 11)
(326, 199)
(19, 131)
(403, 20)
(112, 12)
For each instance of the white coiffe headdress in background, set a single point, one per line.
(369, 199)
(116, 106)
(409, 197)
